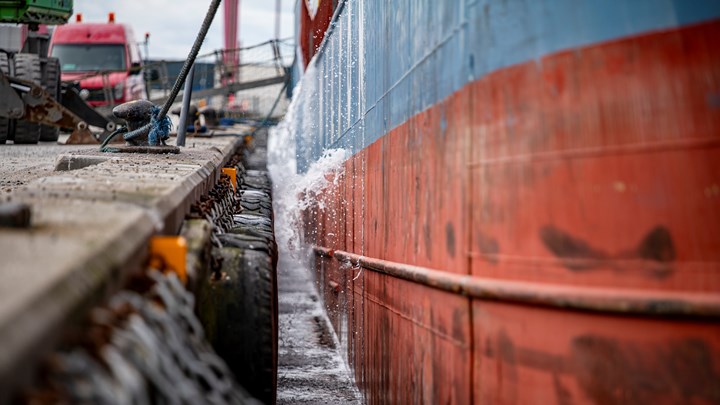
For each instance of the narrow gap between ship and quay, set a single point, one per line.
(470, 186)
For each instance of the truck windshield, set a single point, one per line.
(89, 58)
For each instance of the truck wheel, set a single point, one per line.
(239, 313)
(27, 67)
(51, 83)
(4, 122)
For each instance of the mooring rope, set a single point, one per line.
(158, 128)
(103, 145)
(214, 4)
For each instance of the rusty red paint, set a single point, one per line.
(593, 168)
(428, 366)
(314, 28)
(585, 141)
(526, 353)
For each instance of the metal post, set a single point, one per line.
(187, 94)
(147, 48)
(145, 72)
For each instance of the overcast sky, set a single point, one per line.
(173, 24)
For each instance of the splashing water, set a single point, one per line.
(309, 371)
(294, 192)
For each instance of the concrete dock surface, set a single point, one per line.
(92, 216)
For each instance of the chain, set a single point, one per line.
(156, 354)
(218, 208)
(147, 346)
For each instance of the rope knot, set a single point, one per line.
(159, 130)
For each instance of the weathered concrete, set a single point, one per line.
(20, 164)
(74, 162)
(90, 227)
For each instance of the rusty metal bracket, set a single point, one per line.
(41, 108)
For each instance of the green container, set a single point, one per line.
(50, 12)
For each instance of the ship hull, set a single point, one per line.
(524, 217)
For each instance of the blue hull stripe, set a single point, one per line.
(388, 60)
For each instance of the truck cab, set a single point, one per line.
(103, 58)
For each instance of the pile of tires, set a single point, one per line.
(42, 71)
(239, 305)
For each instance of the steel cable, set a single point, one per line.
(272, 109)
(214, 4)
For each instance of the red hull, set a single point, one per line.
(595, 168)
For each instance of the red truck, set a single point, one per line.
(103, 57)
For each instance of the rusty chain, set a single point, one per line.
(156, 353)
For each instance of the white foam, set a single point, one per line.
(294, 192)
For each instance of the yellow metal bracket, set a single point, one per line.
(169, 253)
(233, 175)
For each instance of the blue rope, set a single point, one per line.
(159, 130)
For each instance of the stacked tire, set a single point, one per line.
(27, 67)
(243, 298)
(44, 72)
(4, 122)
(51, 83)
